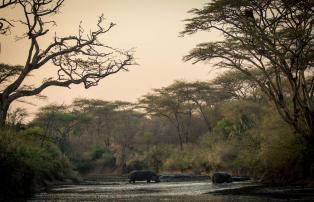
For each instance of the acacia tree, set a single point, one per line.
(238, 85)
(59, 123)
(79, 59)
(179, 103)
(102, 115)
(165, 103)
(201, 96)
(274, 38)
(126, 126)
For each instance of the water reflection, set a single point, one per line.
(165, 191)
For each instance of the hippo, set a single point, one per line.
(221, 177)
(143, 175)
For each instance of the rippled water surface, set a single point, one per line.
(141, 191)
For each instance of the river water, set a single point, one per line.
(141, 191)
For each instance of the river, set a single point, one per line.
(141, 191)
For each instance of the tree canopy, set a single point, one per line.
(269, 41)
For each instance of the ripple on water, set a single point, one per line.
(165, 191)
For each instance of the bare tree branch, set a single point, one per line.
(81, 58)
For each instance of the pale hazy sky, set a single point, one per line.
(150, 26)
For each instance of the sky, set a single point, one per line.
(150, 27)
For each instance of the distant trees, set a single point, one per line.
(59, 124)
(201, 97)
(165, 103)
(79, 59)
(104, 127)
(245, 137)
(179, 102)
(269, 41)
(103, 117)
(238, 85)
(126, 125)
(17, 117)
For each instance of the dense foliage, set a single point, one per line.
(271, 43)
(28, 162)
(201, 127)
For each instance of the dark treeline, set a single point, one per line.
(191, 127)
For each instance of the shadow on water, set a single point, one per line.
(140, 191)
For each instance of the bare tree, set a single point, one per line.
(80, 58)
(5, 24)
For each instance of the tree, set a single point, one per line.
(201, 96)
(274, 38)
(126, 126)
(180, 102)
(59, 123)
(102, 115)
(165, 103)
(238, 85)
(80, 59)
(16, 117)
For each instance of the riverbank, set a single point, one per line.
(117, 188)
(140, 191)
(282, 193)
(191, 191)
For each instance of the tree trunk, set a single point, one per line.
(180, 137)
(122, 164)
(188, 128)
(207, 122)
(178, 127)
(3, 112)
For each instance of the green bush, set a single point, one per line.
(81, 161)
(27, 162)
(192, 158)
(281, 152)
(97, 152)
(156, 156)
(136, 164)
(104, 155)
(108, 159)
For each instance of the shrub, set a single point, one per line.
(281, 152)
(136, 165)
(27, 162)
(156, 156)
(192, 158)
(97, 152)
(108, 159)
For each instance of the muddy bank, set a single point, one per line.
(282, 193)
